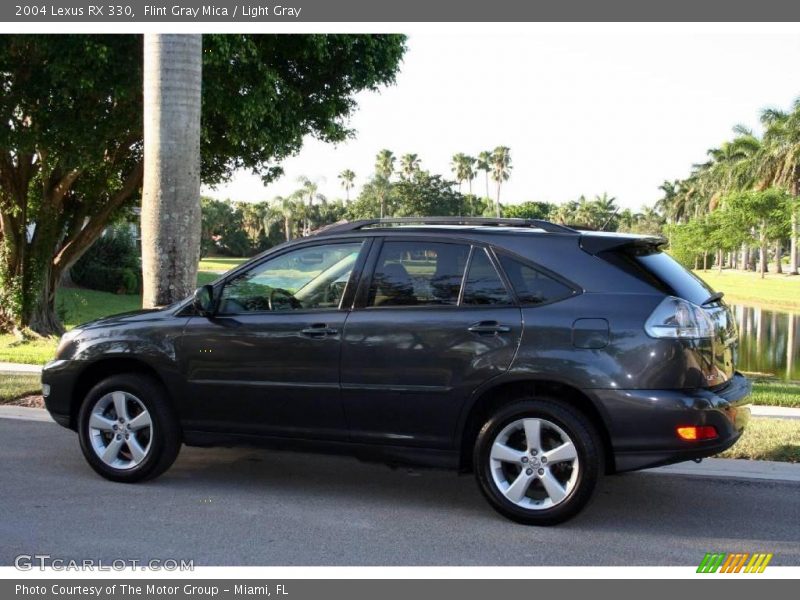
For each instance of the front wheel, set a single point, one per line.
(127, 428)
(538, 461)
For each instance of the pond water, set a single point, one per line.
(769, 341)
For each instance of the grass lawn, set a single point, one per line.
(13, 386)
(776, 393)
(220, 264)
(768, 439)
(779, 292)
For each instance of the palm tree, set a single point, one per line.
(384, 164)
(171, 218)
(309, 191)
(347, 177)
(409, 164)
(384, 167)
(287, 208)
(501, 170)
(484, 163)
(780, 163)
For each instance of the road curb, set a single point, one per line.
(9, 367)
(734, 468)
(25, 413)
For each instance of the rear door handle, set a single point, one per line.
(488, 327)
(319, 330)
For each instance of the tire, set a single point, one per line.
(533, 485)
(150, 424)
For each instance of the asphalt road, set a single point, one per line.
(257, 507)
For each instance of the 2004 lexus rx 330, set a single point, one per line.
(537, 356)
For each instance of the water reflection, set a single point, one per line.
(768, 341)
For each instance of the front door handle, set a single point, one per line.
(488, 328)
(319, 330)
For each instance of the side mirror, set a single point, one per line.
(203, 301)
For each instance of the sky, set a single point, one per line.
(584, 112)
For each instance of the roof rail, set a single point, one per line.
(345, 226)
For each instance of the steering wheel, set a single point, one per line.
(285, 297)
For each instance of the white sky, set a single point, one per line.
(584, 112)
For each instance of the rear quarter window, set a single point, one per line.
(531, 285)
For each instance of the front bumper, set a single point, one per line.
(643, 422)
(58, 379)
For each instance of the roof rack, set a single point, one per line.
(345, 226)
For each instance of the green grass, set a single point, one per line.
(776, 393)
(13, 386)
(768, 439)
(76, 306)
(220, 263)
(780, 292)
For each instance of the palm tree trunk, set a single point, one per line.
(762, 250)
(793, 243)
(171, 189)
(497, 208)
(486, 175)
(778, 256)
(287, 227)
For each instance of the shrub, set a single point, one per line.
(112, 264)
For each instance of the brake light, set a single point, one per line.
(679, 319)
(694, 433)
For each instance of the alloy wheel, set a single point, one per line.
(120, 430)
(534, 463)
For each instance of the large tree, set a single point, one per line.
(171, 191)
(71, 137)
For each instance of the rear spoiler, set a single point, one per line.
(595, 244)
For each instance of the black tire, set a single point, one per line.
(588, 448)
(164, 435)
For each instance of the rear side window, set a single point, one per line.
(661, 271)
(483, 285)
(418, 273)
(533, 286)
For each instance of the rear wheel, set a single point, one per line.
(537, 461)
(127, 429)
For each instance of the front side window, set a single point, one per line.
(531, 285)
(313, 277)
(418, 273)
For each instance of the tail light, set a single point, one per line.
(677, 318)
(693, 433)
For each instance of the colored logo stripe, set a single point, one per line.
(733, 563)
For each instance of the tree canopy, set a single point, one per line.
(71, 133)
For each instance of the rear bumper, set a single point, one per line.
(643, 422)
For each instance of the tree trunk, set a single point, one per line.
(171, 193)
(778, 256)
(793, 240)
(720, 256)
(762, 251)
(486, 177)
(497, 208)
(287, 228)
(705, 261)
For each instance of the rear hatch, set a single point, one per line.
(642, 257)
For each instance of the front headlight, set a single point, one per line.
(66, 340)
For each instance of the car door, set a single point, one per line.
(432, 322)
(268, 361)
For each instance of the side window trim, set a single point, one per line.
(365, 242)
(488, 250)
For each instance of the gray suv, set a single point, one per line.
(537, 356)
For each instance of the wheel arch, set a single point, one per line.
(107, 367)
(500, 394)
